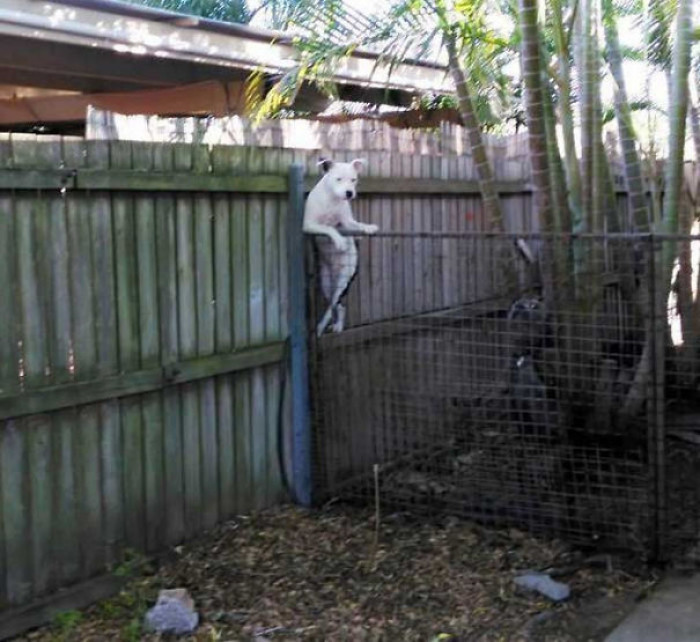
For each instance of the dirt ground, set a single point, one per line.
(291, 574)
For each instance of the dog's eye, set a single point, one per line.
(354, 180)
(339, 179)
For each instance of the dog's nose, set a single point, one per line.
(349, 194)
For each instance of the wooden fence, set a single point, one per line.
(143, 318)
(143, 301)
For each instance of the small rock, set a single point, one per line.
(173, 613)
(544, 584)
(516, 534)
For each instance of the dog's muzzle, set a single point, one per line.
(349, 195)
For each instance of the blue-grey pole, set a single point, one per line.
(299, 366)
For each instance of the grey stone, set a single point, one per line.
(173, 613)
(544, 584)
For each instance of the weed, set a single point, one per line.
(66, 622)
(131, 632)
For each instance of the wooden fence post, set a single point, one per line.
(299, 367)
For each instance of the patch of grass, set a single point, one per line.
(131, 632)
(65, 622)
(132, 564)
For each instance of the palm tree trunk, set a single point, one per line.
(678, 111)
(560, 200)
(566, 115)
(640, 216)
(672, 199)
(588, 84)
(694, 115)
(537, 136)
(595, 191)
(487, 183)
(534, 105)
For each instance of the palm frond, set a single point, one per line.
(237, 11)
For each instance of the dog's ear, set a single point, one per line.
(358, 164)
(325, 164)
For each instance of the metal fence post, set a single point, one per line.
(301, 424)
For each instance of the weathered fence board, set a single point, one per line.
(139, 376)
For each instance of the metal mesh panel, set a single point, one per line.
(534, 398)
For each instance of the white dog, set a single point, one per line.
(328, 210)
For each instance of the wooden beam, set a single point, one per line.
(15, 621)
(374, 185)
(69, 395)
(141, 181)
(178, 182)
(32, 179)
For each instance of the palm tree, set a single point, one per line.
(640, 214)
(487, 185)
(407, 28)
(237, 11)
(566, 115)
(276, 14)
(678, 110)
(534, 102)
(694, 110)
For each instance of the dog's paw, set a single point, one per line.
(371, 229)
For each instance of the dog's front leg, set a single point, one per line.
(350, 224)
(327, 230)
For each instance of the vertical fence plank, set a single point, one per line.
(9, 353)
(103, 281)
(32, 226)
(168, 324)
(257, 252)
(87, 443)
(65, 540)
(187, 320)
(272, 333)
(127, 275)
(224, 343)
(241, 325)
(16, 503)
(9, 358)
(204, 257)
(153, 438)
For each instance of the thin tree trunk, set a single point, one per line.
(487, 184)
(694, 114)
(537, 136)
(566, 115)
(595, 194)
(588, 84)
(672, 198)
(678, 110)
(628, 140)
(534, 105)
(560, 201)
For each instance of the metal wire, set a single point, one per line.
(552, 399)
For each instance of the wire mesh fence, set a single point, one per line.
(537, 396)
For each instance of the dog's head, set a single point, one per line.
(341, 178)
